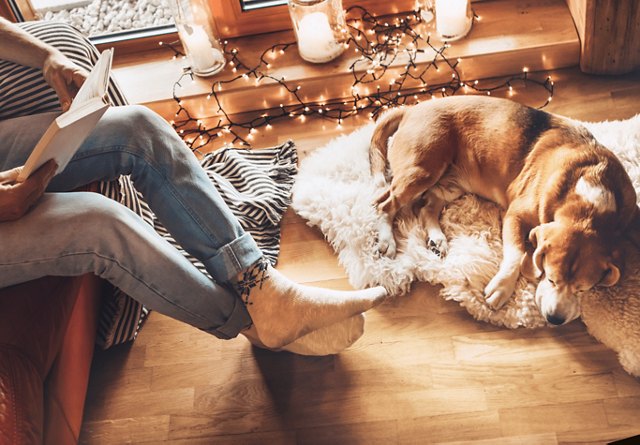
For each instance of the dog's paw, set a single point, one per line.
(385, 242)
(386, 247)
(499, 290)
(438, 244)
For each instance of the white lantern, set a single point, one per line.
(320, 28)
(198, 36)
(453, 18)
(426, 9)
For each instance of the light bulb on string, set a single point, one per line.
(387, 44)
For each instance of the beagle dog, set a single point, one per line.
(568, 201)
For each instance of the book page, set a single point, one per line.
(97, 81)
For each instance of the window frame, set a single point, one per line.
(125, 42)
(7, 11)
(25, 10)
(232, 21)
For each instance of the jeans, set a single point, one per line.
(74, 233)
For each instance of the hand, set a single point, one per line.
(16, 198)
(64, 76)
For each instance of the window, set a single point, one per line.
(245, 17)
(248, 5)
(104, 21)
(133, 25)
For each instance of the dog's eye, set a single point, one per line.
(553, 283)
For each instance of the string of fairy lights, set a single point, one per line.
(392, 69)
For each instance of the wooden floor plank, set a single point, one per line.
(559, 417)
(270, 438)
(530, 439)
(474, 425)
(369, 433)
(136, 430)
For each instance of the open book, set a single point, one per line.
(69, 130)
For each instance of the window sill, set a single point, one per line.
(497, 45)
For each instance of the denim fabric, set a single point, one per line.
(74, 233)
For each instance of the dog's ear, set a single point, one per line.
(610, 275)
(533, 236)
(531, 263)
(528, 269)
(536, 238)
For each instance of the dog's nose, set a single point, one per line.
(555, 319)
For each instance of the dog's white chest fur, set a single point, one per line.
(601, 198)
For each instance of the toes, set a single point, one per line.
(496, 299)
(437, 242)
(387, 247)
(497, 293)
(438, 246)
(392, 251)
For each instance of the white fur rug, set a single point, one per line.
(334, 191)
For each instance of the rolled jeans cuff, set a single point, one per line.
(233, 258)
(238, 320)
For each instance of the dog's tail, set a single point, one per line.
(386, 126)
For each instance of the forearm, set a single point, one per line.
(21, 47)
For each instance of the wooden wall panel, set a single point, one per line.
(609, 33)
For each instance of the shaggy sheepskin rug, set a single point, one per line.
(334, 192)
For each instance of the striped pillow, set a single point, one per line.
(23, 90)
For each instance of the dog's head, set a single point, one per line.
(570, 260)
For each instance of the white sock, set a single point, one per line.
(330, 339)
(283, 311)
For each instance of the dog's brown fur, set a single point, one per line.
(561, 189)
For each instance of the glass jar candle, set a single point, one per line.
(320, 27)
(425, 7)
(453, 18)
(198, 36)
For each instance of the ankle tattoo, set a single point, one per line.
(256, 275)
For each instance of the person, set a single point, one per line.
(47, 228)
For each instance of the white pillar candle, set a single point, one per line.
(202, 54)
(316, 42)
(451, 17)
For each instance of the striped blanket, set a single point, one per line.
(256, 184)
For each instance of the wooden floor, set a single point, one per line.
(424, 372)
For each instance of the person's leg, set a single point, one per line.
(135, 141)
(70, 234)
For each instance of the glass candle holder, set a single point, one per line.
(320, 27)
(198, 36)
(453, 18)
(426, 8)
